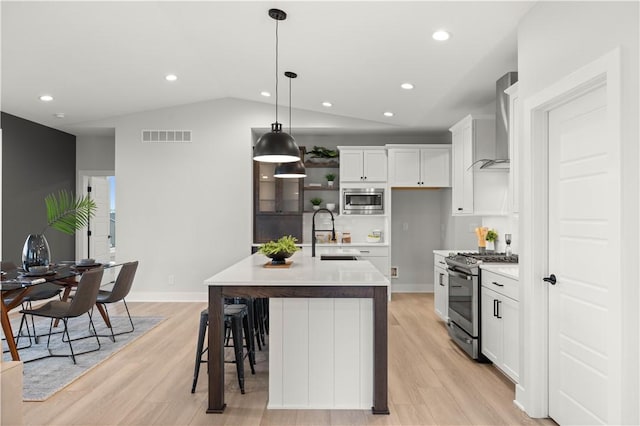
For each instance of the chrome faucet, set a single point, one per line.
(313, 229)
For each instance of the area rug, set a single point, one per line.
(45, 377)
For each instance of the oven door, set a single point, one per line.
(463, 301)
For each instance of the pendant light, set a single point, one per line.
(294, 169)
(276, 146)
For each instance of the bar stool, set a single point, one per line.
(235, 320)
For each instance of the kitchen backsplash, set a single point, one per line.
(359, 226)
(503, 225)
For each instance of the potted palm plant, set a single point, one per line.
(65, 213)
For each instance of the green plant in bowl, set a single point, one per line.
(316, 201)
(279, 250)
(330, 177)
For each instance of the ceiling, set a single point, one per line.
(105, 59)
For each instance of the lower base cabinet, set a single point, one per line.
(500, 323)
(441, 287)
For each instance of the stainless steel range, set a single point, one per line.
(464, 297)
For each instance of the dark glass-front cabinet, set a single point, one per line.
(277, 204)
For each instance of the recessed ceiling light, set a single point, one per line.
(407, 86)
(327, 104)
(59, 115)
(388, 114)
(265, 94)
(46, 98)
(441, 35)
(171, 77)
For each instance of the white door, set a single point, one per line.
(99, 247)
(583, 211)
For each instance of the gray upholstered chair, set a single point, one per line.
(81, 304)
(40, 292)
(120, 290)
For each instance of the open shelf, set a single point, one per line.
(327, 165)
(321, 188)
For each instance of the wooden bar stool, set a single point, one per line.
(237, 322)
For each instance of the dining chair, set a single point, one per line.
(82, 302)
(120, 290)
(38, 293)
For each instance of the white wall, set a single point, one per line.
(185, 210)
(504, 225)
(415, 233)
(457, 231)
(554, 39)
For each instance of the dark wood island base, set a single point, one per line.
(216, 329)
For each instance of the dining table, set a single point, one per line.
(16, 284)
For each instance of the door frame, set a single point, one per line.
(81, 240)
(532, 393)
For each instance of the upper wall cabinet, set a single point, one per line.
(419, 166)
(363, 164)
(514, 146)
(476, 191)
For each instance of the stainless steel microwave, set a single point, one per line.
(363, 201)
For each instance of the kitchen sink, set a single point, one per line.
(338, 257)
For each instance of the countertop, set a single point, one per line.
(446, 252)
(305, 270)
(342, 245)
(508, 270)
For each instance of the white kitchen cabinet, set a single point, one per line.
(514, 146)
(378, 256)
(440, 287)
(500, 322)
(476, 191)
(419, 166)
(363, 164)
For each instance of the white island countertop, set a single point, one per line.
(328, 332)
(304, 271)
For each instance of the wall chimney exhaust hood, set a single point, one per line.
(502, 124)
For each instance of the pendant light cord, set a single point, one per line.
(290, 78)
(276, 71)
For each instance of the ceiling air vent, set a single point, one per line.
(166, 136)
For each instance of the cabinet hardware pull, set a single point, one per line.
(365, 251)
(498, 284)
(441, 262)
(499, 309)
(440, 280)
(459, 209)
(495, 308)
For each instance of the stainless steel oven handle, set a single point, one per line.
(459, 275)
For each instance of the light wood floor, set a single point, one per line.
(149, 382)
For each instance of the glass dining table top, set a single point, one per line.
(15, 279)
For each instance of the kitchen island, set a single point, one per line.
(321, 291)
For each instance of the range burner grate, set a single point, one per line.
(491, 257)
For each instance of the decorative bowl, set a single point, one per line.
(86, 262)
(279, 258)
(38, 269)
